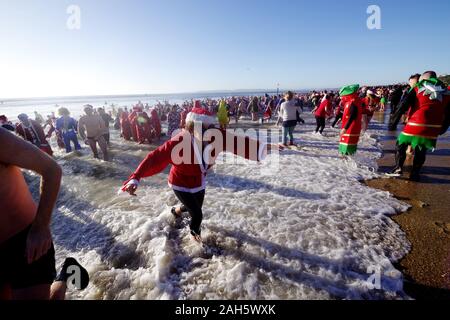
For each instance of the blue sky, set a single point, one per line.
(164, 46)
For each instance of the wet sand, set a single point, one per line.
(427, 224)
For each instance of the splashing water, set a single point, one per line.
(308, 230)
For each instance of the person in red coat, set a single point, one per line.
(183, 116)
(132, 118)
(32, 132)
(155, 124)
(125, 126)
(190, 165)
(321, 113)
(144, 128)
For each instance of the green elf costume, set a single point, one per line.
(429, 118)
(351, 120)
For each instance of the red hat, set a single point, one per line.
(200, 114)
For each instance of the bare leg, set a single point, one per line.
(41, 292)
(93, 145)
(104, 147)
(58, 291)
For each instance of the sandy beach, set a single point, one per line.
(427, 223)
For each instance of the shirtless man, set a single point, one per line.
(27, 267)
(92, 130)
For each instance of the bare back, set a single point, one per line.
(17, 207)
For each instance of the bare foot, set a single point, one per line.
(197, 239)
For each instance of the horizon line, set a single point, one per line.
(15, 99)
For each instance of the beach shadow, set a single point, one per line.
(244, 184)
(423, 292)
(425, 174)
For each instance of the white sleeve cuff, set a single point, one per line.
(133, 182)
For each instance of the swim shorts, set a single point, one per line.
(14, 269)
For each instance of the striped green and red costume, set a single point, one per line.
(428, 114)
(348, 143)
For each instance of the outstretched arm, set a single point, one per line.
(17, 152)
(153, 164)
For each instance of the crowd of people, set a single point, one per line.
(25, 237)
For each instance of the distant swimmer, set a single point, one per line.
(92, 130)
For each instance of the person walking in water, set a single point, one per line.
(92, 130)
(67, 127)
(351, 120)
(321, 112)
(429, 118)
(222, 115)
(288, 113)
(32, 132)
(189, 170)
(253, 108)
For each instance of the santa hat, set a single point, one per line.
(200, 114)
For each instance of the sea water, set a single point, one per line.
(303, 229)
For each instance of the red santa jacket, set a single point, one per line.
(189, 170)
(34, 134)
(324, 109)
(427, 118)
(351, 137)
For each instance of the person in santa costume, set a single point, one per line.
(32, 132)
(351, 120)
(143, 128)
(338, 113)
(190, 165)
(429, 118)
(183, 116)
(321, 113)
(155, 124)
(132, 118)
(269, 110)
(125, 126)
(370, 104)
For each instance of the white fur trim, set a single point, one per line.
(200, 118)
(132, 182)
(190, 190)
